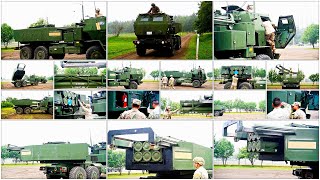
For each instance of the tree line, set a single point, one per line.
(274, 77)
(256, 73)
(241, 105)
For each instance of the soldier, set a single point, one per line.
(201, 172)
(234, 84)
(171, 82)
(199, 71)
(164, 81)
(98, 14)
(297, 112)
(86, 108)
(278, 112)
(168, 113)
(134, 113)
(270, 34)
(155, 113)
(154, 9)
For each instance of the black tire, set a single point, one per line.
(53, 176)
(18, 84)
(245, 85)
(24, 83)
(95, 52)
(133, 85)
(27, 110)
(196, 84)
(41, 52)
(171, 51)
(263, 57)
(178, 43)
(221, 114)
(26, 53)
(57, 56)
(77, 173)
(36, 83)
(92, 172)
(126, 87)
(227, 85)
(141, 51)
(44, 81)
(19, 110)
(216, 113)
(50, 110)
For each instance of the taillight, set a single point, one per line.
(63, 169)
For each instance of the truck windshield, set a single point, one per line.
(157, 19)
(144, 19)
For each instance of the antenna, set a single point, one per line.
(82, 11)
(94, 3)
(90, 138)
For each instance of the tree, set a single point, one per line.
(258, 72)
(223, 149)
(314, 77)
(238, 104)
(216, 73)
(6, 34)
(204, 22)
(5, 154)
(262, 105)
(251, 106)
(210, 75)
(155, 74)
(56, 69)
(244, 154)
(300, 75)
(272, 76)
(228, 105)
(117, 28)
(40, 22)
(116, 159)
(311, 34)
(81, 71)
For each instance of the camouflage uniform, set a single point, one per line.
(154, 9)
(280, 113)
(171, 82)
(134, 113)
(155, 113)
(270, 34)
(234, 84)
(98, 14)
(164, 81)
(201, 172)
(86, 108)
(297, 114)
(167, 114)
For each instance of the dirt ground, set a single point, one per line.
(298, 53)
(188, 86)
(253, 174)
(9, 85)
(143, 86)
(15, 55)
(13, 115)
(241, 116)
(152, 54)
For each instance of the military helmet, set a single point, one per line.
(199, 160)
(97, 9)
(153, 4)
(136, 101)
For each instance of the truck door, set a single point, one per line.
(286, 30)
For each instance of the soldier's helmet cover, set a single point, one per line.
(199, 160)
(136, 102)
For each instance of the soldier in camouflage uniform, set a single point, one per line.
(234, 83)
(155, 113)
(201, 172)
(164, 81)
(297, 113)
(134, 113)
(98, 14)
(168, 113)
(154, 9)
(171, 82)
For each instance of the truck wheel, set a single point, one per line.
(77, 173)
(227, 85)
(48, 176)
(141, 51)
(24, 83)
(171, 51)
(262, 57)
(245, 85)
(216, 113)
(50, 111)
(18, 84)
(36, 83)
(26, 53)
(133, 85)
(126, 87)
(58, 56)
(41, 52)
(92, 172)
(95, 52)
(27, 110)
(196, 83)
(19, 110)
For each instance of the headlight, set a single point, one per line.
(138, 42)
(162, 42)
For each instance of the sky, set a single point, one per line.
(186, 66)
(58, 63)
(39, 132)
(308, 67)
(218, 129)
(176, 96)
(247, 96)
(37, 95)
(148, 66)
(258, 64)
(304, 13)
(127, 11)
(202, 130)
(20, 15)
(39, 68)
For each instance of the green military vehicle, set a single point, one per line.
(244, 75)
(27, 106)
(167, 157)
(288, 78)
(19, 79)
(197, 106)
(294, 143)
(309, 99)
(40, 42)
(80, 80)
(120, 101)
(158, 32)
(195, 76)
(239, 34)
(66, 160)
(128, 77)
(218, 110)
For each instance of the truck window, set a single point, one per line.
(284, 21)
(144, 19)
(157, 19)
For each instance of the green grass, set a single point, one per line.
(19, 165)
(205, 47)
(244, 113)
(5, 112)
(7, 50)
(121, 45)
(126, 176)
(257, 166)
(302, 85)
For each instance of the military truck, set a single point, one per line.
(80, 80)
(27, 106)
(196, 77)
(309, 99)
(297, 144)
(197, 106)
(120, 101)
(288, 78)
(129, 78)
(66, 160)
(158, 32)
(19, 79)
(219, 110)
(239, 34)
(40, 42)
(244, 75)
(168, 157)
